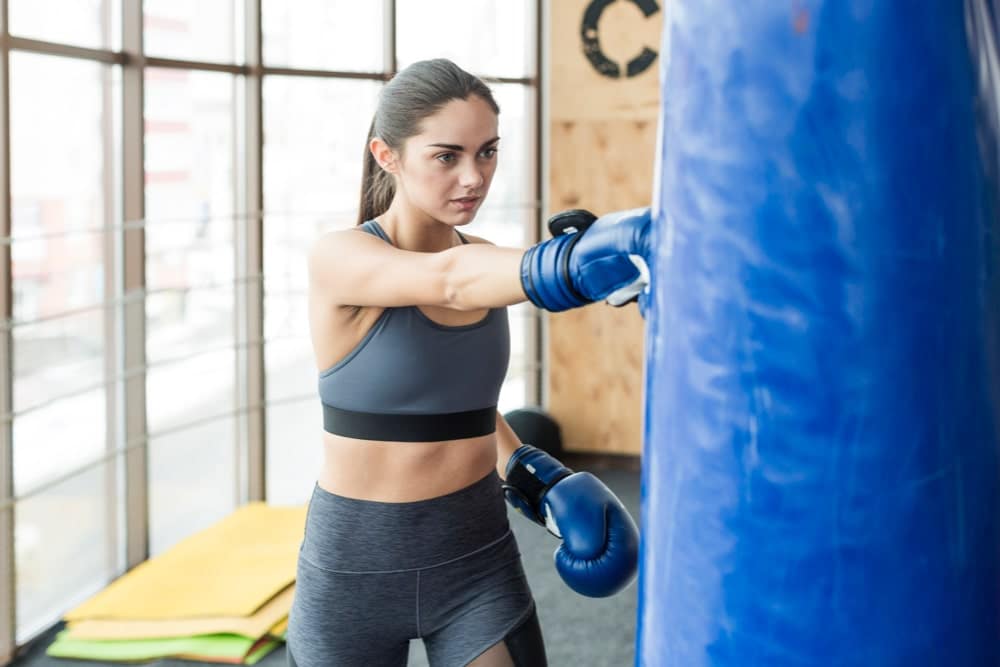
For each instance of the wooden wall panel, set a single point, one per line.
(602, 136)
(576, 90)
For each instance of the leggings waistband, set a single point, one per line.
(352, 535)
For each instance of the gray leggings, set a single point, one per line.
(372, 576)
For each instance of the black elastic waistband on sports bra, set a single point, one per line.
(409, 428)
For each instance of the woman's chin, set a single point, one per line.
(460, 218)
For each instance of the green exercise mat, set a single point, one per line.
(235, 649)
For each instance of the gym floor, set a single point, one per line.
(579, 631)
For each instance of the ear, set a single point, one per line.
(384, 156)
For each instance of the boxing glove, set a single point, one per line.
(599, 552)
(593, 259)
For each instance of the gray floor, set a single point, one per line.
(579, 631)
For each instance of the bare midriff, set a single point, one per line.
(389, 471)
(398, 472)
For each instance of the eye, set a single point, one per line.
(445, 158)
(489, 153)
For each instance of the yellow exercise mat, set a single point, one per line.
(268, 620)
(229, 569)
(279, 629)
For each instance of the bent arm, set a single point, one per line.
(507, 444)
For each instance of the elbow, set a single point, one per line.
(452, 296)
(456, 296)
(452, 289)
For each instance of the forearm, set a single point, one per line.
(479, 275)
(507, 444)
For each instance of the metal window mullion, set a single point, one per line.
(114, 512)
(132, 323)
(250, 257)
(540, 146)
(189, 65)
(125, 57)
(8, 571)
(389, 48)
(277, 70)
(63, 50)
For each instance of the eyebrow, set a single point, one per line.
(456, 147)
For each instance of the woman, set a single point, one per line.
(407, 533)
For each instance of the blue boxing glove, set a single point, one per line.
(602, 258)
(599, 553)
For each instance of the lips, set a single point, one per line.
(465, 203)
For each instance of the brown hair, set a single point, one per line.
(412, 95)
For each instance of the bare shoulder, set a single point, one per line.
(350, 267)
(337, 257)
(476, 239)
(340, 240)
(332, 247)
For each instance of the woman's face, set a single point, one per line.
(446, 170)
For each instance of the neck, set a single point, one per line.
(415, 231)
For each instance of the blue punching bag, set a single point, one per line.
(821, 480)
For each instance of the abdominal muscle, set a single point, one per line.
(397, 472)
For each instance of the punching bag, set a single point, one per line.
(821, 469)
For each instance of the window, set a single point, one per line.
(63, 150)
(79, 272)
(191, 285)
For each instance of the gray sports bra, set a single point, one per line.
(412, 379)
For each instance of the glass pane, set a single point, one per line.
(312, 177)
(295, 450)
(343, 35)
(190, 311)
(65, 546)
(315, 133)
(485, 38)
(63, 148)
(191, 29)
(59, 398)
(192, 478)
(190, 195)
(91, 23)
(197, 383)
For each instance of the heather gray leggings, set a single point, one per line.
(373, 575)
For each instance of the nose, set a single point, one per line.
(471, 177)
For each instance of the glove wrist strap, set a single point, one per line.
(525, 490)
(545, 275)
